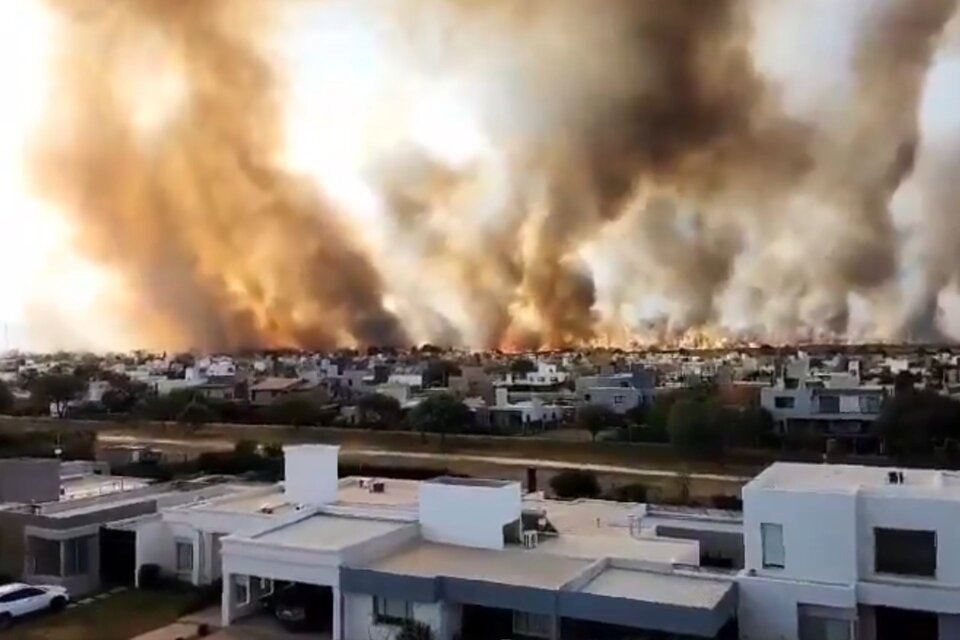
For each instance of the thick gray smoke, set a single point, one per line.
(514, 173)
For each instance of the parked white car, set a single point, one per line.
(18, 600)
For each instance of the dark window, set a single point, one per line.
(905, 553)
(829, 404)
(30, 593)
(784, 402)
(387, 611)
(586, 397)
(791, 383)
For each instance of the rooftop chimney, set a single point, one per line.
(310, 472)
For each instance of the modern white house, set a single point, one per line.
(469, 558)
(839, 552)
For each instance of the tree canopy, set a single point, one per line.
(522, 366)
(58, 390)
(915, 421)
(574, 484)
(594, 418)
(437, 373)
(696, 426)
(442, 413)
(379, 410)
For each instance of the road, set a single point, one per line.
(446, 459)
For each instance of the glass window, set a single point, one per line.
(784, 402)
(390, 611)
(13, 596)
(76, 556)
(184, 556)
(829, 404)
(825, 629)
(774, 554)
(906, 553)
(531, 625)
(45, 556)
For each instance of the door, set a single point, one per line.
(900, 624)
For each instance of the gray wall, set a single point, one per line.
(33, 480)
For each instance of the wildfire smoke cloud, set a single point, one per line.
(536, 173)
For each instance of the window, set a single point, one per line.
(76, 556)
(870, 404)
(45, 556)
(823, 623)
(619, 399)
(13, 596)
(784, 402)
(586, 397)
(905, 553)
(829, 404)
(774, 554)
(184, 556)
(531, 625)
(241, 590)
(387, 611)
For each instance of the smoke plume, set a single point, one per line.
(512, 173)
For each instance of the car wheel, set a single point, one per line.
(58, 604)
(6, 620)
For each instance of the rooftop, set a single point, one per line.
(471, 482)
(510, 566)
(622, 545)
(328, 533)
(659, 587)
(89, 486)
(840, 478)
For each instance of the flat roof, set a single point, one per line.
(790, 476)
(508, 566)
(621, 546)
(328, 533)
(396, 493)
(659, 587)
(587, 517)
(89, 486)
(471, 482)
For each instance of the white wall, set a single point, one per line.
(819, 534)
(768, 607)
(471, 516)
(310, 472)
(155, 545)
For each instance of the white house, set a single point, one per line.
(842, 552)
(462, 555)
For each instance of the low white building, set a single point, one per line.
(842, 552)
(462, 555)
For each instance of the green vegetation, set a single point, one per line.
(442, 414)
(118, 617)
(594, 418)
(6, 399)
(573, 484)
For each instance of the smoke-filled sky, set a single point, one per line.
(484, 173)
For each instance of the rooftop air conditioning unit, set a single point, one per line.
(378, 486)
(531, 539)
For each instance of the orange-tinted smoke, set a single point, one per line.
(220, 248)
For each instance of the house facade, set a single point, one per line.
(846, 552)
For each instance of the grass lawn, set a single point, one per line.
(118, 617)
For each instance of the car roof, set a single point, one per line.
(10, 588)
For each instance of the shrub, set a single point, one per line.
(634, 492)
(574, 484)
(414, 630)
(150, 576)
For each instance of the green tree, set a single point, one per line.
(696, 426)
(196, 413)
(379, 410)
(294, 410)
(246, 448)
(58, 390)
(575, 483)
(750, 427)
(594, 418)
(914, 422)
(6, 398)
(441, 413)
(522, 366)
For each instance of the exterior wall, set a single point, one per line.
(311, 474)
(155, 545)
(472, 516)
(628, 397)
(768, 607)
(443, 619)
(26, 481)
(819, 534)
(79, 584)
